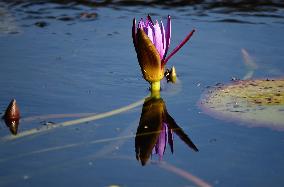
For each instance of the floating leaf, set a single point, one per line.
(259, 102)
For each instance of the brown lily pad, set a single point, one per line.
(258, 102)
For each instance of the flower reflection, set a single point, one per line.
(155, 131)
(12, 125)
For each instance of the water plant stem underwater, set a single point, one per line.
(74, 122)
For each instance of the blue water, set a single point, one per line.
(90, 66)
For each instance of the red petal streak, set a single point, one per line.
(178, 47)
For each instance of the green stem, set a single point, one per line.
(155, 86)
(155, 94)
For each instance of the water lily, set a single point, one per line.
(152, 41)
(156, 129)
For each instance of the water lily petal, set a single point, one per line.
(163, 38)
(168, 36)
(148, 58)
(158, 39)
(141, 24)
(150, 31)
(150, 19)
(134, 33)
(149, 28)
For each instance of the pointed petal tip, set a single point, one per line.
(149, 18)
(134, 34)
(134, 23)
(13, 102)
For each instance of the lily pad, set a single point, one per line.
(258, 102)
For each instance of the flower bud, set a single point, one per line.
(12, 117)
(149, 58)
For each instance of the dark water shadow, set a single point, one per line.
(239, 5)
(44, 12)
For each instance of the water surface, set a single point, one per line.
(55, 60)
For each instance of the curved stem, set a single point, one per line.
(178, 47)
(73, 122)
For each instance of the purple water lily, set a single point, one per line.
(152, 41)
(155, 131)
